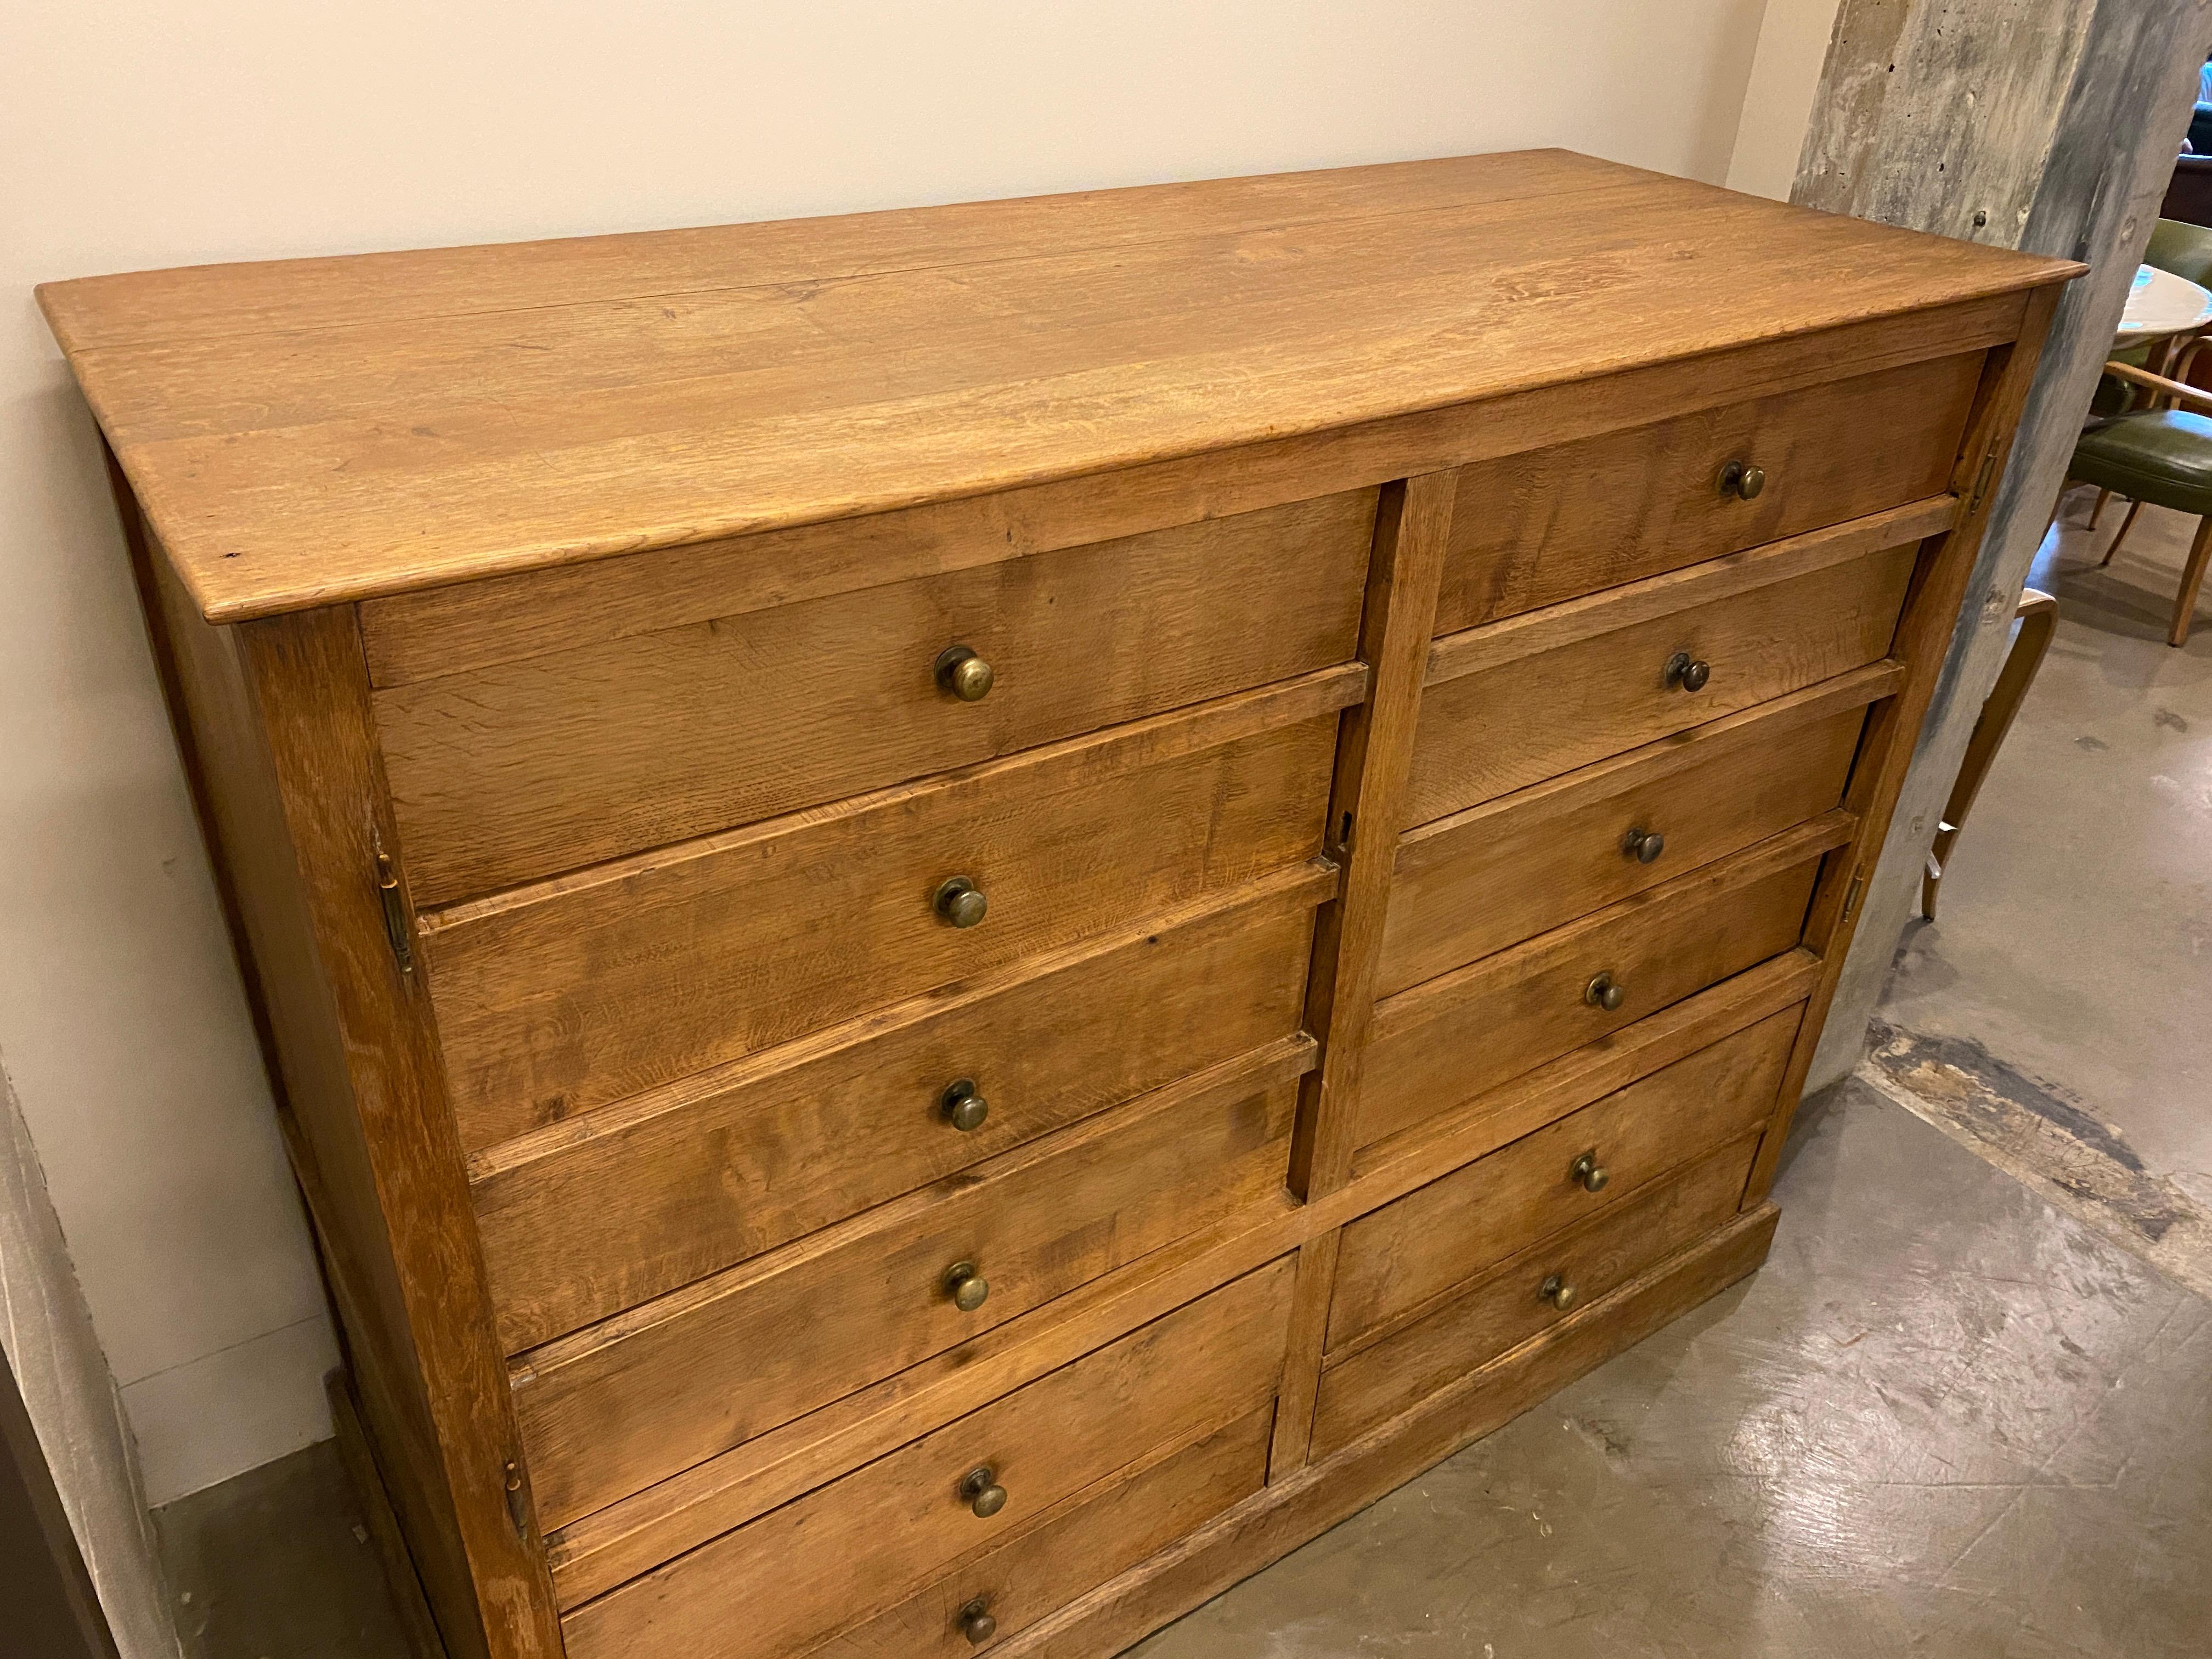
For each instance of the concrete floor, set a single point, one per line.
(2071, 935)
(1948, 1418)
(277, 1564)
(1944, 1419)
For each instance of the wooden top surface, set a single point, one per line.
(305, 431)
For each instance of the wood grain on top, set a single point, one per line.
(306, 431)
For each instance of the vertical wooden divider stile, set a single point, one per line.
(1367, 802)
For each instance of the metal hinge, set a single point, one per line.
(395, 911)
(518, 1502)
(1981, 482)
(1852, 897)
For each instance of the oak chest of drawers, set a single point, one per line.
(965, 917)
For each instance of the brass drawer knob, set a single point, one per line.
(1588, 1174)
(968, 1288)
(1742, 480)
(981, 1492)
(1645, 846)
(1560, 1294)
(976, 1623)
(964, 1109)
(960, 901)
(1687, 673)
(963, 673)
(1605, 991)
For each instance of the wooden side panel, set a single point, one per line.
(582, 991)
(840, 1554)
(272, 910)
(310, 692)
(1534, 529)
(372, 1492)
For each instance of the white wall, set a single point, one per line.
(70, 1397)
(136, 134)
(1778, 100)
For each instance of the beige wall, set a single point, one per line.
(135, 134)
(1785, 75)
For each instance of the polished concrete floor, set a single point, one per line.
(1943, 1419)
(1957, 1413)
(2071, 936)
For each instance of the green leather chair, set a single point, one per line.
(2160, 453)
(2162, 456)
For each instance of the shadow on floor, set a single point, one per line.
(277, 1564)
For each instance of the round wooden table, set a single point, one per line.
(2160, 305)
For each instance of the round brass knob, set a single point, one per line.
(1742, 480)
(1588, 1173)
(976, 1623)
(1645, 846)
(964, 1109)
(1687, 672)
(963, 673)
(981, 1492)
(1605, 991)
(968, 1288)
(1560, 1294)
(960, 901)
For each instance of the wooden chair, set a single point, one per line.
(2160, 455)
(2039, 620)
(2185, 249)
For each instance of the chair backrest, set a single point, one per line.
(2184, 250)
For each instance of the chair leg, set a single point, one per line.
(2097, 511)
(2192, 578)
(2038, 621)
(2126, 524)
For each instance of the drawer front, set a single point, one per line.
(1517, 867)
(1533, 529)
(603, 1216)
(851, 1550)
(1447, 1041)
(506, 773)
(1092, 1538)
(1527, 719)
(617, 1406)
(1457, 1228)
(1368, 1385)
(597, 989)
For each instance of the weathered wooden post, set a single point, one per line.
(2049, 126)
